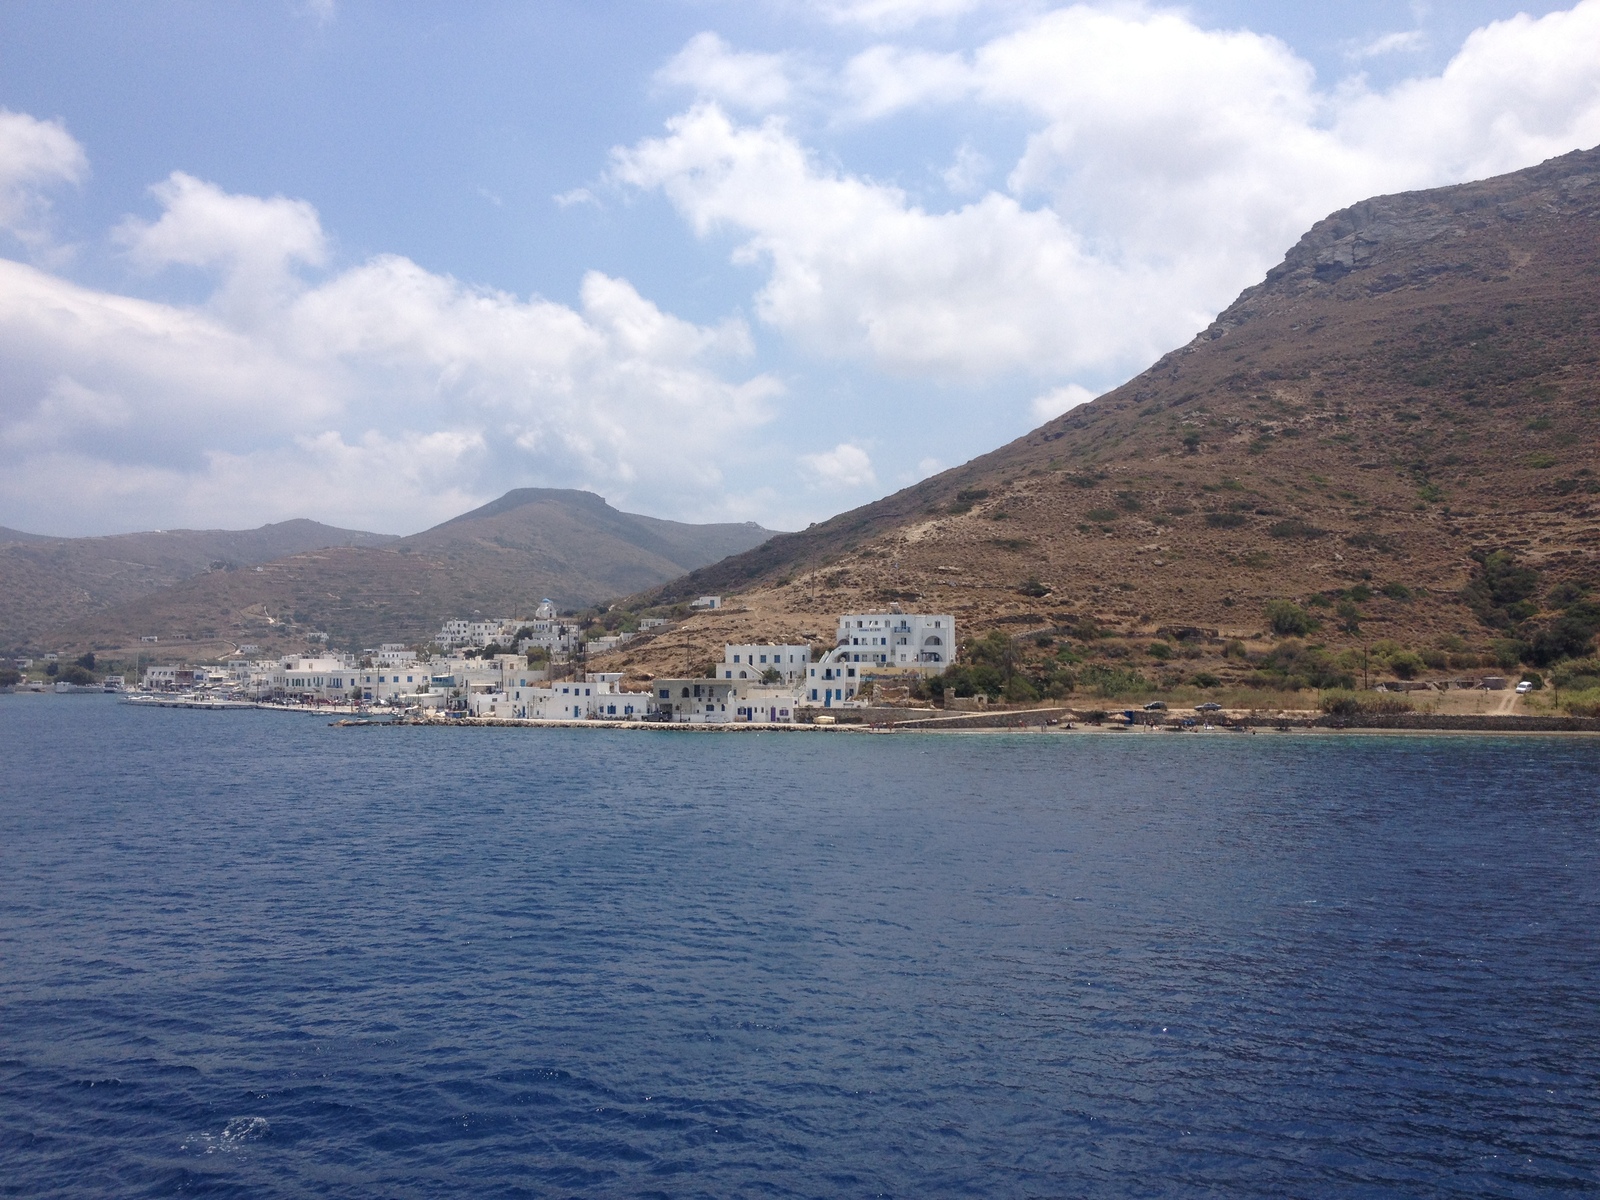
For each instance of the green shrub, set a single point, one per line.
(1225, 520)
(1397, 591)
(1294, 527)
(1205, 679)
(1159, 651)
(1111, 681)
(1499, 589)
(1406, 664)
(1019, 691)
(1102, 515)
(1566, 637)
(1288, 619)
(1345, 703)
(1507, 652)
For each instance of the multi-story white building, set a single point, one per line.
(697, 701)
(754, 661)
(325, 677)
(922, 641)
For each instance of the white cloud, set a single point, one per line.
(1404, 41)
(710, 67)
(1169, 166)
(254, 244)
(384, 395)
(1056, 401)
(965, 175)
(35, 156)
(855, 268)
(845, 466)
(886, 79)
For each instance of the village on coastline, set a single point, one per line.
(532, 669)
(884, 671)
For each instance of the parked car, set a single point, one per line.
(1208, 706)
(1156, 706)
(1524, 687)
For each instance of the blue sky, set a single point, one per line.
(376, 263)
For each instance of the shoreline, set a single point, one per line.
(1031, 721)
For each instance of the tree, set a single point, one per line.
(1499, 590)
(86, 661)
(1288, 619)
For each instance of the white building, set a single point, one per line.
(754, 661)
(597, 697)
(697, 701)
(921, 641)
(706, 602)
(401, 683)
(774, 703)
(325, 677)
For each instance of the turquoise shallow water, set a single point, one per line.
(244, 954)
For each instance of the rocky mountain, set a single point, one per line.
(570, 546)
(1416, 386)
(46, 581)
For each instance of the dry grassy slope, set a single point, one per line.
(46, 581)
(1421, 376)
(504, 557)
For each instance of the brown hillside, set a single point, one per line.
(1417, 379)
(47, 581)
(497, 560)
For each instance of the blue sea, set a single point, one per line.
(247, 954)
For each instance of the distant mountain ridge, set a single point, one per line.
(47, 581)
(501, 558)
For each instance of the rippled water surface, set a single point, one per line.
(245, 954)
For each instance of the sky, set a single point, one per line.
(715, 260)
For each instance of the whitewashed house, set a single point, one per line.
(754, 661)
(697, 701)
